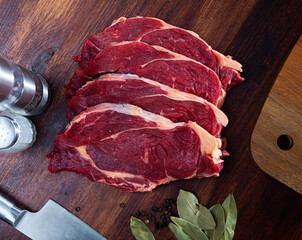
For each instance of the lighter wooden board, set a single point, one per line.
(282, 114)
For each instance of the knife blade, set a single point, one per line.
(51, 222)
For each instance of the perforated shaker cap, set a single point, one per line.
(8, 132)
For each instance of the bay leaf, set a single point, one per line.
(140, 230)
(230, 211)
(218, 214)
(206, 220)
(179, 233)
(190, 229)
(222, 237)
(189, 209)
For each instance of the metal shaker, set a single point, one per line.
(17, 133)
(22, 91)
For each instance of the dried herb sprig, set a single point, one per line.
(195, 221)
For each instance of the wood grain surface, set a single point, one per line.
(44, 35)
(282, 115)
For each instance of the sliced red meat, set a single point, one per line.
(149, 95)
(158, 64)
(156, 32)
(129, 148)
(119, 31)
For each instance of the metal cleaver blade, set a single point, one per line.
(52, 222)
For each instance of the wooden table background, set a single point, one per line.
(44, 35)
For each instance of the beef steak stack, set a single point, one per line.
(144, 107)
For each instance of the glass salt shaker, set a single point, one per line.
(17, 133)
(22, 91)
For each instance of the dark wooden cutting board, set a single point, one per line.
(44, 35)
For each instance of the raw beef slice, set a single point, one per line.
(135, 150)
(149, 95)
(156, 63)
(156, 32)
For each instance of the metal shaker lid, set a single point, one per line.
(8, 132)
(22, 91)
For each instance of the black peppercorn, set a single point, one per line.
(77, 209)
(154, 209)
(122, 205)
